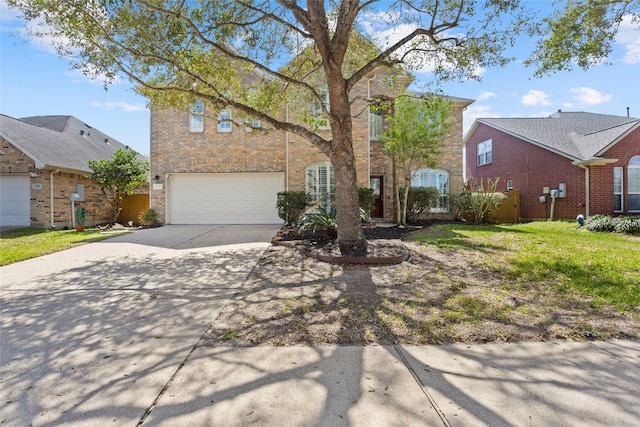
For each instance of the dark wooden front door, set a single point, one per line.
(377, 183)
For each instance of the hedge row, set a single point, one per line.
(616, 224)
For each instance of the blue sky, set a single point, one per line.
(35, 81)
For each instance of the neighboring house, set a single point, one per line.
(591, 160)
(43, 160)
(209, 169)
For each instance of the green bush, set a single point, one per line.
(324, 218)
(608, 224)
(149, 218)
(599, 223)
(291, 205)
(367, 201)
(420, 201)
(627, 224)
(476, 203)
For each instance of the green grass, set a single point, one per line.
(557, 256)
(23, 243)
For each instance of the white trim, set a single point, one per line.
(636, 169)
(621, 192)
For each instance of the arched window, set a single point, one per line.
(633, 180)
(320, 184)
(438, 178)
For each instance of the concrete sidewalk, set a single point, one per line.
(114, 333)
(537, 384)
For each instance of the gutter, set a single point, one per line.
(584, 164)
(586, 187)
(51, 195)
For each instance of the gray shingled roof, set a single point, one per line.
(577, 135)
(58, 141)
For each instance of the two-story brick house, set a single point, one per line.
(569, 163)
(209, 168)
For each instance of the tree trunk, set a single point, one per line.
(350, 235)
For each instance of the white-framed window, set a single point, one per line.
(633, 181)
(224, 120)
(438, 178)
(618, 202)
(485, 152)
(252, 124)
(509, 184)
(318, 110)
(376, 123)
(320, 183)
(196, 117)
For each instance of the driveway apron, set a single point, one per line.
(91, 335)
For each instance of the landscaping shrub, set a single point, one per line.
(627, 224)
(420, 201)
(476, 203)
(291, 205)
(608, 224)
(322, 219)
(149, 218)
(367, 201)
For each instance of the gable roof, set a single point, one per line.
(58, 141)
(578, 136)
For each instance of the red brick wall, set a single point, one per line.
(601, 177)
(531, 168)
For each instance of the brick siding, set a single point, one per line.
(176, 150)
(12, 160)
(532, 168)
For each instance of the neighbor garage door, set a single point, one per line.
(224, 198)
(15, 201)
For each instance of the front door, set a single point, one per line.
(377, 183)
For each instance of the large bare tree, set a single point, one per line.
(177, 51)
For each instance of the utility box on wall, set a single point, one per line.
(562, 190)
(80, 192)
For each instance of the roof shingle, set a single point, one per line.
(58, 141)
(577, 135)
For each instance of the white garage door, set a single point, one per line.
(224, 198)
(15, 201)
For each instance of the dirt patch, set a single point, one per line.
(437, 296)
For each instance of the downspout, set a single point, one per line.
(369, 133)
(51, 195)
(286, 152)
(586, 190)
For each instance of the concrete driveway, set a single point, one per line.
(92, 335)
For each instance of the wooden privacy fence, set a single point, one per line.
(132, 206)
(509, 211)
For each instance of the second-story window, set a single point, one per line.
(224, 121)
(196, 117)
(318, 109)
(485, 152)
(376, 124)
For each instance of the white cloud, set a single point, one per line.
(128, 108)
(590, 96)
(483, 96)
(8, 17)
(476, 111)
(629, 36)
(535, 98)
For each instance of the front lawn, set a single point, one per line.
(559, 255)
(23, 243)
(461, 283)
